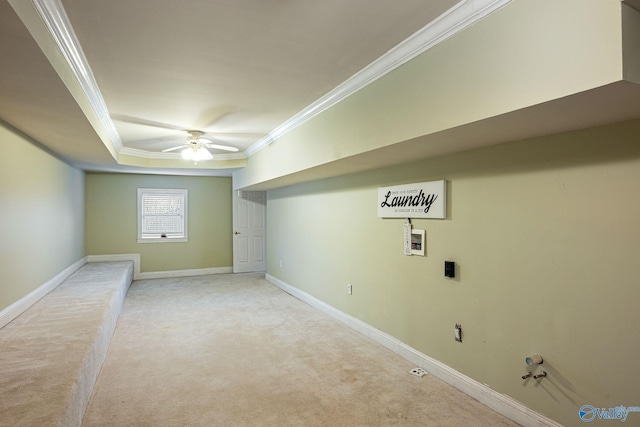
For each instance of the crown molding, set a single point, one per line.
(175, 156)
(456, 19)
(55, 19)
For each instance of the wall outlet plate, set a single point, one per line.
(458, 332)
(450, 269)
(419, 372)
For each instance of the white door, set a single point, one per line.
(249, 231)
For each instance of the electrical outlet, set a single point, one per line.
(458, 332)
(418, 372)
(280, 263)
(349, 289)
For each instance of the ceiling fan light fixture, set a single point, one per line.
(187, 153)
(202, 154)
(196, 154)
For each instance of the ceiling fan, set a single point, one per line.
(196, 147)
(205, 134)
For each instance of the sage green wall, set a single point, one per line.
(501, 64)
(545, 235)
(111, 225)
(41, 216)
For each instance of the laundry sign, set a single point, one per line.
(419, 200)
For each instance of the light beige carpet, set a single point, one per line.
(233, 350)
(51, 354)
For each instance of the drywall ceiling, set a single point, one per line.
(110, 85)
(35, 101)
(234, 69)
(633, 3)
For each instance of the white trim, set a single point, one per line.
(456, 19)
(24, 303)
(184, 273)
(500, 403)
(137, 275)
(119, 257)
(55, 19)
(136, 152)
(162, 240)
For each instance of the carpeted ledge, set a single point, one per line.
(51, 355)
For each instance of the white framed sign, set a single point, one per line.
(419, 200)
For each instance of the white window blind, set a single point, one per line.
(162, 215)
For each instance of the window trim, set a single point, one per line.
(184, 194)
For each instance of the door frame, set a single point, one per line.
(248, 196)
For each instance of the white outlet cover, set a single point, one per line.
(419, 372)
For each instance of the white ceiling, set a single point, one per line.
(138, 74)
(235, 69)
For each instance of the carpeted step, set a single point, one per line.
(50, 355)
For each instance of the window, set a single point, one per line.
(162, 215)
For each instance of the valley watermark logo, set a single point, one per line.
(589, 413)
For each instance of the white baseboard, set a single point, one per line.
(137, 275)
(20, 306)
(184, 273)
(500, 403)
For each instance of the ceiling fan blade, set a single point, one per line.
(210, 144)
(145, 122)
(220, 147)
(209, 117)
(175, 148)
